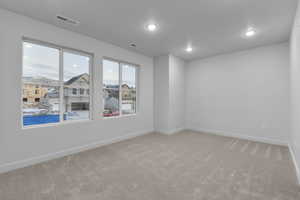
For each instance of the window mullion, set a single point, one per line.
(61, 85)
(136, 88)
(91, 89)
(120, 89)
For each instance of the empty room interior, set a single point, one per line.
(149, 100)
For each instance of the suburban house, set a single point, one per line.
(76, 94)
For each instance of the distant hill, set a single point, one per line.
(40, 81)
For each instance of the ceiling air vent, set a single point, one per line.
(67, 20)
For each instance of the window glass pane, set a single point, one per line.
(128, 89)
(76, 77)
(110, 88)
(40, 84)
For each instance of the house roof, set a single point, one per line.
(84, 76)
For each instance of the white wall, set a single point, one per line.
(244, 94)
(295, 92)
(161, 93)
(21, 147)
(169, 94)
(177, 93)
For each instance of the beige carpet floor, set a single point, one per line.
(184, 166)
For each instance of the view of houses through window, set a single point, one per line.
(119, 88)
(56, 85)
(76, 76)
(50, 94)
(111, 88)
(128, 89)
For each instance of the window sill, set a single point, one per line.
(120, 116)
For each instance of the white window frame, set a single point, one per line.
(137, 68)
(61, 50)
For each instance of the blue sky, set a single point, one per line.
(40, 61)
(111, 73)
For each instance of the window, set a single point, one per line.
(40, 67)
(76, 74)
(48, 83)
(74, 91)
(128, 89)
(119, 88)
(81, 91)
(111, 88)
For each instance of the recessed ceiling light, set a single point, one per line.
(189, 49)
(151, 27)
(250, 32)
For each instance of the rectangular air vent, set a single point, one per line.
(67, 20)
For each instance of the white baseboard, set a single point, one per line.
(295, 162)
(35, 160)
(170, 132)
(241, 136)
